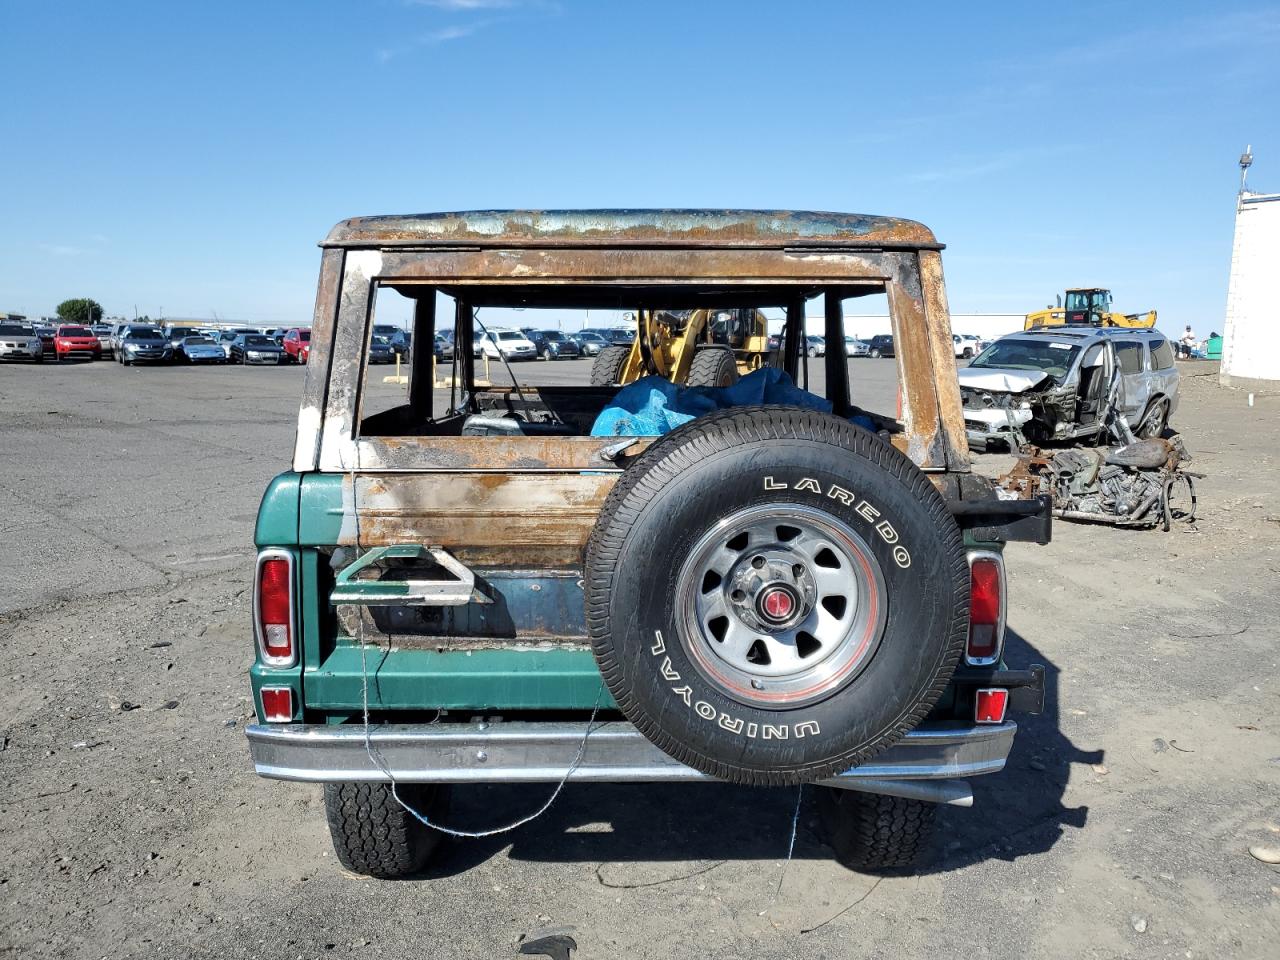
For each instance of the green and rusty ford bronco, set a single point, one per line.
(462, 581)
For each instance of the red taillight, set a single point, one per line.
(275, 610)
(990, 704)
(986, 609)
(277, 704)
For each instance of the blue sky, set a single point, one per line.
(187, 158)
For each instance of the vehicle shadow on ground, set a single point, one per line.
(1016, 813)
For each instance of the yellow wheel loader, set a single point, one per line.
(696, 348)
(1090, 306)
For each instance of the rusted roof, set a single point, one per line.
(627, 228)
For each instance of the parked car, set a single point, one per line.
(74, 342)
(20, 342)
(200, 350)
(589, 342)
(765, 596)
(967, 345)
(103, 332)
(554, 345)
(853, 347)
(382, 350)
(1060, 383)
(47, 335)
(143, 345)
(122, 330)
(443, 347)
(815, 346)
(226, 338)
(398, 338)
(293, 340)
(175, 336)
(256, 348)
(509, 344)
(621, 336)
(881, 345)
(116, 335)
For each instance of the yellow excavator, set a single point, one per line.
(696, 348)
(1090, 306)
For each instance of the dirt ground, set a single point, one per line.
(131, 822)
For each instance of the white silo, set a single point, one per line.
(1251, 335)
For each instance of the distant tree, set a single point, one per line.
(81, 310)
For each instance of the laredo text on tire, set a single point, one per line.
(775, 595)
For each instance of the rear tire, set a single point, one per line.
(870, 832)
(606, 368)
(373, 834)
(875, 354)
(713, 366)
(1154, 420)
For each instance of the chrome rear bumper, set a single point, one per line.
(928, 764)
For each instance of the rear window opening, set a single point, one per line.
(500, 361)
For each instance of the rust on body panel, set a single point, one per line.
(315, 387)
(942, 366)
(509, 519)
(493, 453)
(671, 228)
(648, 266)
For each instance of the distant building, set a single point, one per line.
(1251, 331)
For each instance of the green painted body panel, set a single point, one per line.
(320, 509)
(410, 680)
(278, 513)
(508, 679)
(260, 676)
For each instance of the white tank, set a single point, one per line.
(1251, 335)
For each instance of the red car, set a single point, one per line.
(71, 342)
(296, 343)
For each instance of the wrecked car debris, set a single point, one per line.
(1140, 484)
(1060, 384)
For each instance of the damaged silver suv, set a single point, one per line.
(1068, 382)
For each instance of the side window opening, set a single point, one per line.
(1129, 355)
(1162, 355)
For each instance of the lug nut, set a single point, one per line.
(738, 596)
(757, 562)
(797, 569)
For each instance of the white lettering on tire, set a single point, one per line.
(885, 529)
(723, 719)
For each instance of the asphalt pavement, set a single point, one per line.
(133, 824)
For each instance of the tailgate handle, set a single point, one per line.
(415, 593)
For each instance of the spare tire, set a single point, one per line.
(774, 595)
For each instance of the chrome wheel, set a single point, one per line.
(781, 604)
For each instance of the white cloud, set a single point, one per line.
(464, 5)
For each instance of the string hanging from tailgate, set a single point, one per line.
(376, 758)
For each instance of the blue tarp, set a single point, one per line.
(654, 406)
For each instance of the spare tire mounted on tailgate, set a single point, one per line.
(775, 595)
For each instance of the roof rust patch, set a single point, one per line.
(676, 228)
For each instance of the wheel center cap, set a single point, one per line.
(777, 604)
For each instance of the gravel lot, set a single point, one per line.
(133, 825)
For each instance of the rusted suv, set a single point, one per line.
(460, 582)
